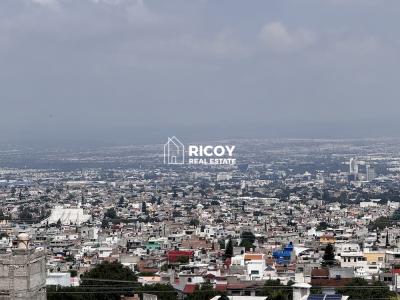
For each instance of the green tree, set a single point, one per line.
(104, 223)
(329, 256)
(106, 281)
(275, 290)
(59, 224)
(111, 213)
(375, 290)
(249, 236)
(68, 293)
(380, 223)
(205, 292)
(162, 291)
(25, 214)
(194, 222)
(183, 259)
(322, 226)
(229, 249)
(108, 271)
(248, 240)
(144, 208)
(122, 281)
(246, 244)
(109, 276)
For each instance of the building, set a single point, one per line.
(371, 175)
(353, 166)
(23, 272)
(59, 279)
(284, 256)
(67, 216)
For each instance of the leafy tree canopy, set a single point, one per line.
(376, 290)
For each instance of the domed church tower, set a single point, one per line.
(23, 272)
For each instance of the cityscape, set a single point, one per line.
(199, 150)
(293, 219)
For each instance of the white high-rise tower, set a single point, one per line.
(353, 166)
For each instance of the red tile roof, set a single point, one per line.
(190, 288)
(330, 282)
(320, 273)
(220, 287)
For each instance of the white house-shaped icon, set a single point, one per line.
(174, 152)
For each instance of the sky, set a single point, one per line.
(121, 71)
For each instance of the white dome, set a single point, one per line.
(23, 237)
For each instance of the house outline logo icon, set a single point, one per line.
(174, 152)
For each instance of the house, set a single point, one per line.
(284, 256)
(177, 256)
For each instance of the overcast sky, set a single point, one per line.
(120, 70)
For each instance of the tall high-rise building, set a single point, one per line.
(370, 170)
(23, 272)
(353, 166)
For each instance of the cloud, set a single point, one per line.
(45, 2)
(354, 2)
(278, 37)
(222, 45)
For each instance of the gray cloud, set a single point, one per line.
(277, 36)
(107, 68)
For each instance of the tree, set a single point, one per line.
(380, 223)
(246, 244)
(194, 222)
(376, 290)
(25, 214)
(104, 223)
(205, 292)
(221, 244)
(322, 226)
(248, 239)
(275, 290)
(106, 270)
(118, 275)
(329, 256)
(3, 217)
(176, 214)
(13, 190)
(144, 208)
(229, 249)
(59, 224)
(183, 259)
(123, 281)
(110, 213)
(68, 293)
(248, 235)
(174, 193)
